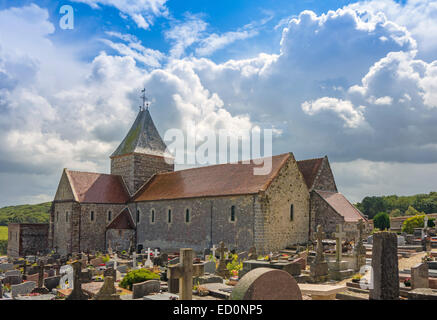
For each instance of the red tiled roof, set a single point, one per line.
(97, 188)
(309, 169)
(122, 221)
(342, 206)
(216, 180)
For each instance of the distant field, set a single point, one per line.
(3, 233)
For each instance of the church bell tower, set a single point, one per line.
(142, 153)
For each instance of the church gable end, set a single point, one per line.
(64, 191)
(324, 179)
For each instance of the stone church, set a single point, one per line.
(145, 203)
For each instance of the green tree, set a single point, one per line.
(381, 221)
(395, 213)
(411, 211)
(413, 222)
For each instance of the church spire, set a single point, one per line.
(142, 153)
(143, 137)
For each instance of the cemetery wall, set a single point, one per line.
(27, 239)
(324, 215)
(137, 168)
(210, 222)
(278, 230)
(13, 240)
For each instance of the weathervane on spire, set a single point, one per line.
(145, 100)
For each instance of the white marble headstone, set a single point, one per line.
(66, 281)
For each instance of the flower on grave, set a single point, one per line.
(407, 282)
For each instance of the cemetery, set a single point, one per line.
(374, 267)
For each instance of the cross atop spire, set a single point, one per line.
(146, 101)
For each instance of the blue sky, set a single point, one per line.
(356, 81)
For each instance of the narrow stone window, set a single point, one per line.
(57, 216)
(92, 216)
(291, 212)
(109, 215)
(169, 215)
(187, 215)
(152, 218)
(233, 213)
(138, 216)
(66, 216)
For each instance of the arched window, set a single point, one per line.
(233, 213)
(92, 215)
(109, 215)
(169, 215)
(152, 215)
(138, 216)
(291, 212)
(187, 215)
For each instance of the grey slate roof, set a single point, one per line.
(143, 137)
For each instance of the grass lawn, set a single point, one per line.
(3, 233)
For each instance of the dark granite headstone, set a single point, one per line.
(385, 267)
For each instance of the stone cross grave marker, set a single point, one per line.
(40, 288)
(66, 281)
(222, 270)
(185, 271)
(148, 263)
(320, 256)
(77, 293)
(110, 248)
(108, 290)
(134, 260)
(359, 249)
(339, 235)
(213, 250)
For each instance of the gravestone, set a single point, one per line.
(252, 254)
(110, 272)
(243, 256)
(359, 252)
(266, 284)
(12, 273)
(319, 268)
(222, 271)
(185, 271)
(22, 288)
(213, 250)
(96, 262)
(209, 267)
(13, 279)
(122, 268)
(66, 281)
(40, 288)
(401, 241)
(420, 276)
(134, 261)
(139, 290)
(52, 282)
(385, 267)
(174, 261)
(6, 267)
(108, 291)
(77, 293)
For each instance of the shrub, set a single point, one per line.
(137, 276)
(105, 258)
(3, 247)
(413, 222)
(234, 265)
(382, 221)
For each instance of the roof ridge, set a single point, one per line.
(312, 159)
(222, 164)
